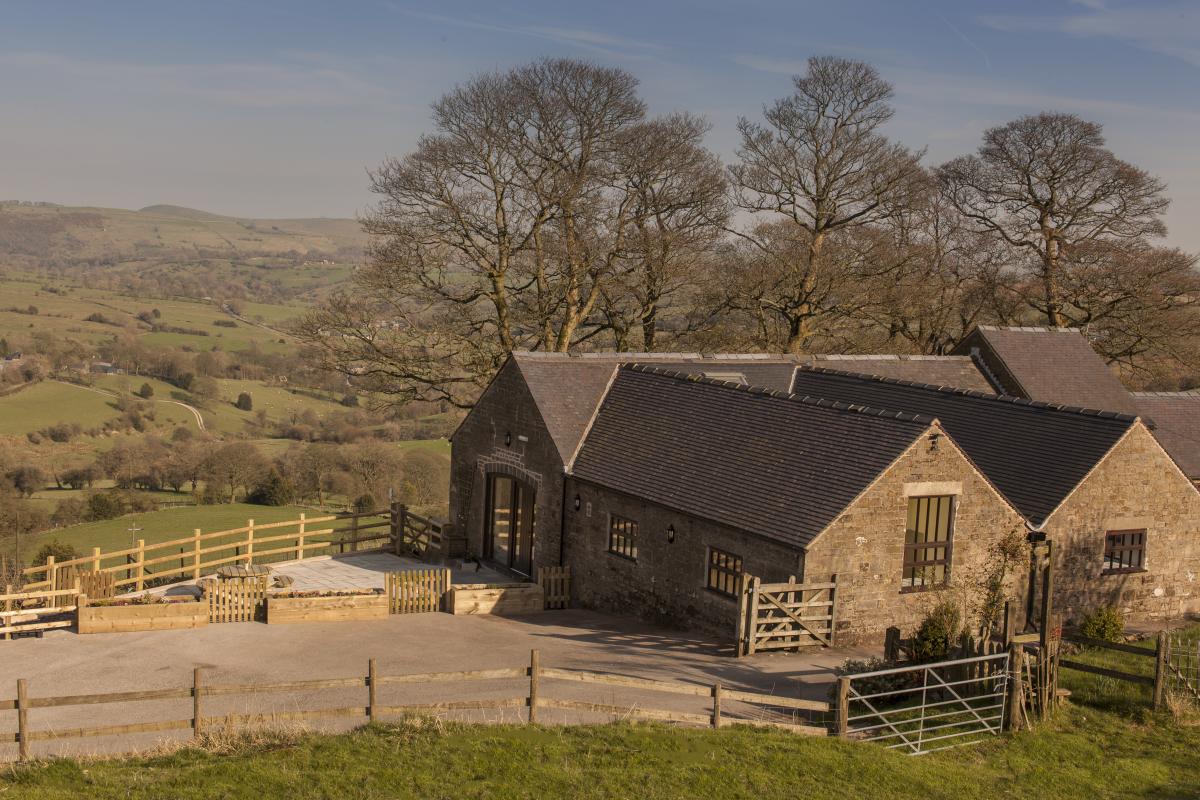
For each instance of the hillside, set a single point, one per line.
(142, 251)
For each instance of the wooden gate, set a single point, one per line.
(556, 583)
(1179, 670)
(237, 599)
(416, 591)
(782, 616)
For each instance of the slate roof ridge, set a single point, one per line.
(633, 357)
(884, 357)
(999, 398)
(838, 405)
(1028, 329)
(1181, 393)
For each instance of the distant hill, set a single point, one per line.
(123, 249)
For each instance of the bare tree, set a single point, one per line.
(1047, 187)
(820, 163)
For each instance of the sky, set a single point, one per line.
(278, 109)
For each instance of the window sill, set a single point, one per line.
(917, 589)
(622, 556)
(1126, 571)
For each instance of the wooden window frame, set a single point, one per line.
(946, 561)
(623, 537)
(1131, 546)
(732, 574)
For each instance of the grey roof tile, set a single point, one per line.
(1175, 420)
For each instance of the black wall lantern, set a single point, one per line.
(578, 502)
(670, 534)
(508, 439)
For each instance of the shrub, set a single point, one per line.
(245, 402)
(938, 633)
(364, 503)
(60, 551)
(881, 683)
(146, 392)
(105, 505)
(1106, 624)
(272, 490)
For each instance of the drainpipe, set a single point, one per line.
(562, 521)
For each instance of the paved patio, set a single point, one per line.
(353, 571)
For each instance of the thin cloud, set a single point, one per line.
(594, 41)
(1170, 30)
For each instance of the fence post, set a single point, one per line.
(403, 528)
(843, 706)
(371, 690)
(739, 643)
(141, 567)
(1161, 652)
(891, 644)
(1016, 686)
(7, 607)
(534, 669)
(833, 596)
(354, 533)
(250, 541)
(300, 539)
(197, 720)
(95, 559)
(196, 554)
(1007, 632)
(52, 577)
(22, 719)
(752, 618)
(716, 707)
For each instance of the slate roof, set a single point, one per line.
(568, 387)
(1034, 453)
(961, 372)
(765, 462)
(1053, 365)
(1176, 420)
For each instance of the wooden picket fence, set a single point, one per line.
(416, 591)
(556, 583)
(236, 599)
(536, 689)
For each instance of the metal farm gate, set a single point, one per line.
(922, 708)
(782, 616)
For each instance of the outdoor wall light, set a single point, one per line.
(578, 502)
(508, 439)
(670, 534)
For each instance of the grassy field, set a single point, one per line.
(161, 526)
(1081, 754)
(48, 403)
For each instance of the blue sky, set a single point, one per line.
(277, 109)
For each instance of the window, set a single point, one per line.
(724, 571)
(927, 542)
(622, 536)
(1124, 551)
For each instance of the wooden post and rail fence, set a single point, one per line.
(133, 569)
(534, 687)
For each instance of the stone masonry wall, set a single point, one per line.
(666, 584)
(864, 547)
(506, 409)
(1136, 486)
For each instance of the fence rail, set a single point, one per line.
(18, 616)
(532, 695)
(189, 557)
(1161, 654)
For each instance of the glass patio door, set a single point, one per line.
(510, 523)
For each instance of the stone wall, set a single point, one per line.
(506, 412)
(864, 546)
(666, 584)
(1136, 486)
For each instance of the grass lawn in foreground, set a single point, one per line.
(1081, 754)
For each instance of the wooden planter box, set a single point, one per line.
(146, 617)
(496, 598)
(290, 610)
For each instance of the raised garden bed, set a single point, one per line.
(496, 598)
(297, 607)
(128, 616)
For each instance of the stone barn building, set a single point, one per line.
(660, 478)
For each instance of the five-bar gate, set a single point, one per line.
(781, 616)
